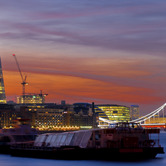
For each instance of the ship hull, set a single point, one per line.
(89, 154)
(4, 149)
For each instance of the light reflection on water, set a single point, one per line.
(7, 160)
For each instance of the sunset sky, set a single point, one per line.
(102, 51)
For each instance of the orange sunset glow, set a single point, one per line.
(85, 52)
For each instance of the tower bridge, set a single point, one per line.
(155, 118)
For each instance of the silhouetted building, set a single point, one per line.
(134, 112)
(63, 102)
(7, 115)
(82, 115)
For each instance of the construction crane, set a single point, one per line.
(23, 78)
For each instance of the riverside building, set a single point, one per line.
(114, 113)
(31, 99)
(82, 115)
(7, 115)
(134, 111)
(50, 116)
(47, 117)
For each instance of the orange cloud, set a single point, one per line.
(76, 89)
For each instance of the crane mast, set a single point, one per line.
(23, 78)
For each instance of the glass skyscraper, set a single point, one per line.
(2, 88)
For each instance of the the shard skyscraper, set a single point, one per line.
(2, 88)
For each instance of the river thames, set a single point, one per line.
(7, 160)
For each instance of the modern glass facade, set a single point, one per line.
(2, 88)
(115, 113)
(100, 113)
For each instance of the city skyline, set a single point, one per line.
(102, 52)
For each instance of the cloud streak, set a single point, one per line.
(127, 28)
(114, 47)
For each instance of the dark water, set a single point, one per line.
(7, 160)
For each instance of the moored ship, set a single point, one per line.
(19, 133)
(122, 141)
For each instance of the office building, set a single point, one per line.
(31, 99)
(134, 112)
(115, 113)
(101, 115)
(7, 115)
(81, 115)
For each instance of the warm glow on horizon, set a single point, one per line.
(86, 51)
(70, 88)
